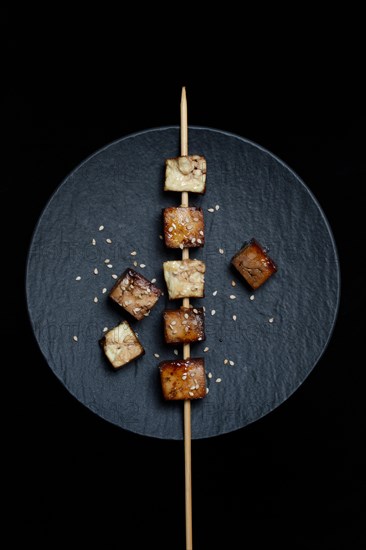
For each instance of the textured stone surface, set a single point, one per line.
(121, 187)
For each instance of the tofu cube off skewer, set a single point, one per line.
(136, 294)
(121, 345)
(254, 264)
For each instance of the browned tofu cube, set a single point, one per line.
(185, 278)
(121, 345)
(254, 264)
(184, 325)
(186, 173)
(183, 227)
(135, 294)
(183, 379)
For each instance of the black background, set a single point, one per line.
(71, 84)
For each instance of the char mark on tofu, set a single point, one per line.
(184, 325)
(183, 379)
(254, 264)
(183, 227)
(185, 278)
(121, 345)
(136, 294)
(185, 173)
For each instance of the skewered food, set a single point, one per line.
(185, 278)
(183, 379)
(254, 264)
(184, 325)
(183, 227)
(135, 293)
(121, 345)
(186, 173)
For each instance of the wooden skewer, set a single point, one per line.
(186, 347)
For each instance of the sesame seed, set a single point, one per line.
(233, 283)
(201, 232)
(206, 349)
(153, 280)
(231, 363)
(193, 239)
(142, 266)
(147, 314)
(94, 242)
(95, 300)
(104, 290)
(234, 317)
(184, 376)
(186, 329)
(214, 293)
(209, 375)
(133, 253)
(156, 355)
(170, 229)
(186, 316)
(101, 227)
(221, 250)
(107, 261)
(191, 393)
(199, 241)
(193, 387)
(114, 276)
(195, 310)
(218, 380)
(217, 207)
(207, 390)
(173, 224)
(232, 296)
(109, 266)
(175, 351)
(109, 241)
(75, 338)
(135, 263)
(181, 246)
(96, 271)
(226, 361)
(137, 309)
(105, 329)
(210, 210)
(161, 237)
(271, 319)
(78, 278)
(213, 312)
(252, 297)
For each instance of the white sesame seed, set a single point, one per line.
(107, 261)
(136, 309)
(201, 232)
(173, 323)
(218, 380)
(234, 317)
(105, 329)
(193, 387)
(161, 237)
(210, 210)
(252, 297)
(114, 276)
(75, 338)
(109, 241)
(133, 253)
(142, 266)
(94, 242)
(95, 299)
(271, 319)
(207, 390)
(193, 239)
(135, 263)
(213, 312)
(78, 278)
(109, 266)
(104, 290)
(181, 246)
(156, 355)
(175, 351)
(199, 241)
(204, 308)
(101, 227)
(170, 229)
(214, 293)
(232, 296)
(153, 280)
(186, 316)
(206, 349)
(96, 271)
(233, 283)
(195, 310)
(217, 207)
(191, 393)
(221, 250)
(226, 361)
(231, 363)
(209, 375)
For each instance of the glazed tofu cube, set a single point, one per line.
(183, 379)
(185, 278)
(135, 294)
(183, 227)
(186, 173)
(121, 345)
(184, 325)
(254, 264)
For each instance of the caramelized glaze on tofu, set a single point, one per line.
(186, 173)
(135, 294)
(183, 227)
(254, 264)
(183, 379)
(184, 325)
(185, 278)
(121, 345)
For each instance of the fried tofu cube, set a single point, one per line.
(121, 345)
(135, 293)
(186, 173)
(183, 227)
(184, 325)
(183, 379)
(254, 264)
(185, 278)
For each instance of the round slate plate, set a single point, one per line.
(121, 188)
